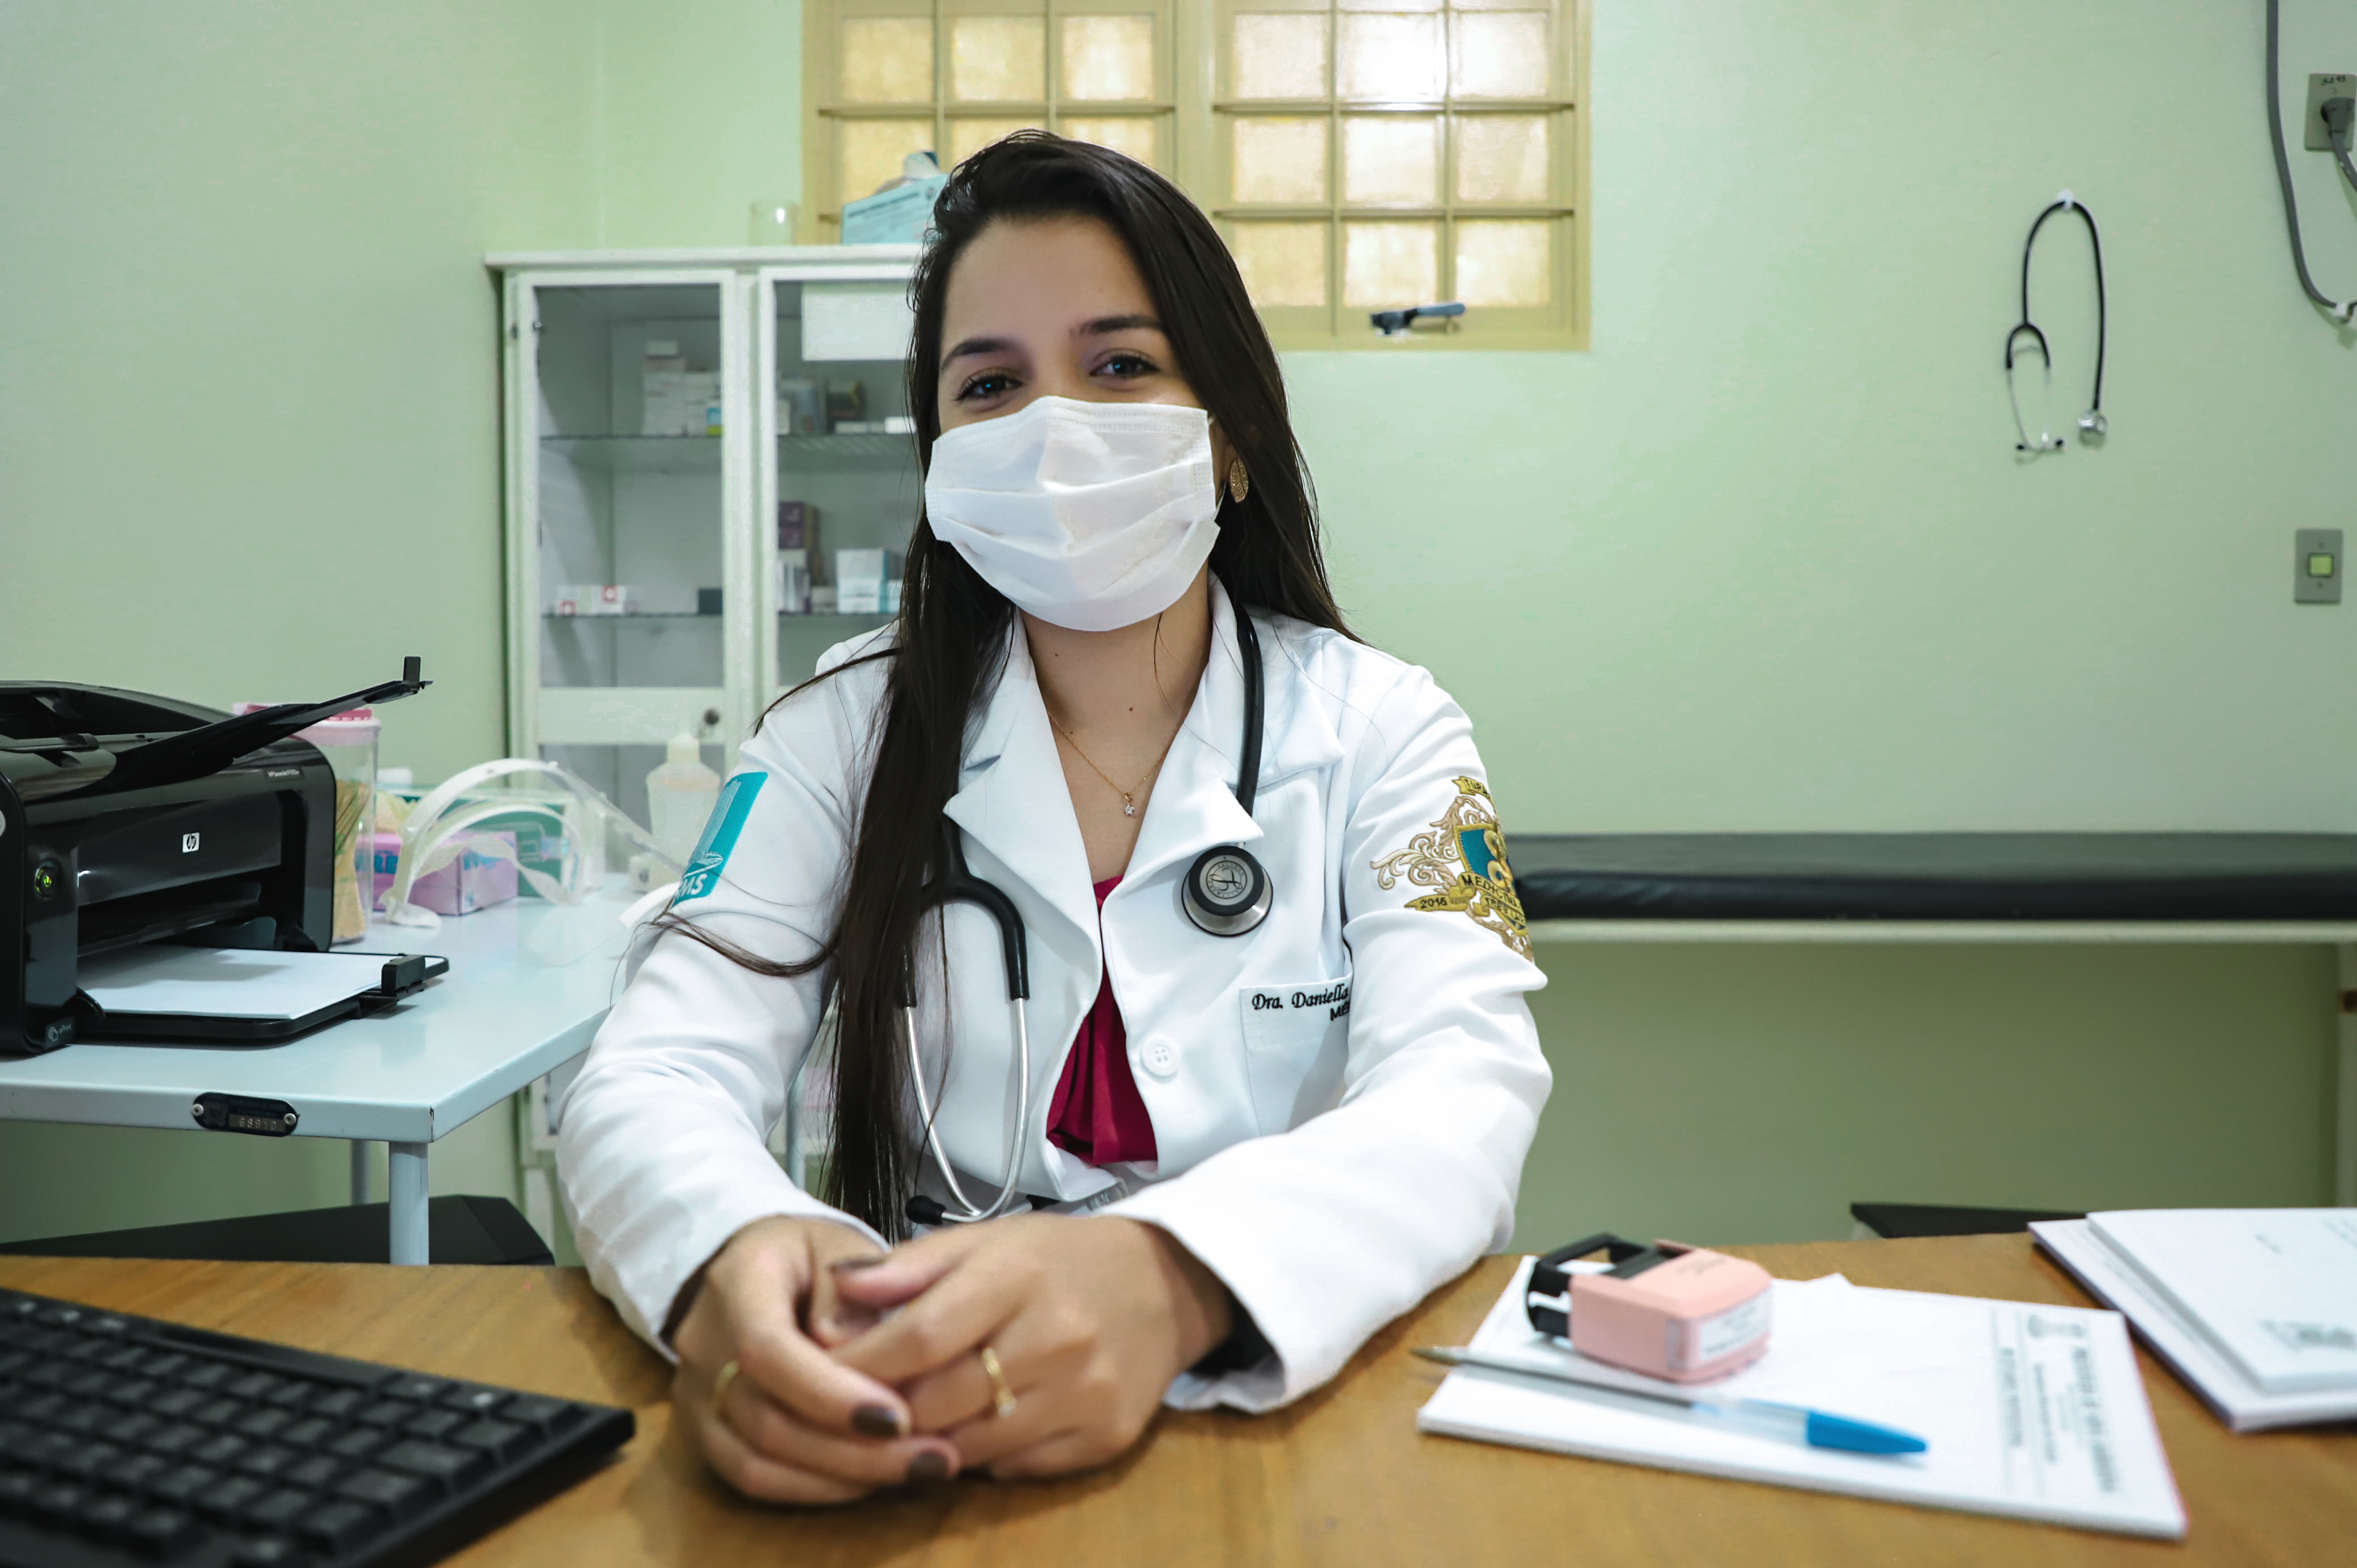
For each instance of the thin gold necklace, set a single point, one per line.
(1128, 797)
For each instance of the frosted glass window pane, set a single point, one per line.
(871, 151)
(1502, 54)
(1501, 158)
(1390, 58)
(1394, 5)
(887, 60)
(998, 59)
(1391, 158)
(1279, 55)
(1108, 59)
(1132, 135)
(1283, 263)
(1503, 262)
(1280, 160)
(1391, 264)
(968, 137)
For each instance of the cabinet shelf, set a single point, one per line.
(638, 454)
(846, 451)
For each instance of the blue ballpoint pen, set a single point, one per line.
(1816, 1428)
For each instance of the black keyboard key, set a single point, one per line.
(266, 1459)
(178, 1401)
(59, 1501)
(176, 1438)
(218, 1449)
(207, 1374)
(87, 1382)
(124, 1358)
(183, 1483)
(475, 1402)
(253, 1386)
(140, 1470)
(316, 1471)
(47, 1374)
(267, 1552)
(17, 1490)
(11, 1362)
(339, 1402)
(218, 1411)
(539, 1410)
(431, 1460)
(499, 1439)
(342, 1525)
(226, 1499)
(389, 1412)
(134, 1392)
(385, 1489)
(59, 1315)
(263, 1422)
(308, 1432)
(160, 1529)
(106, 1324)
(130, 1429)
(87, 1461)
(82, 1419)
(417, 1387)
(435, 1423)
(280, 1509)
(163, 1364)
(360, 1443)
(108, 1514)
(43, 1447)
(292, 1393)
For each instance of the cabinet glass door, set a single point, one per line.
(841, 485)
(630, 476)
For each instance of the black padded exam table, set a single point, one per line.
(2281, 888)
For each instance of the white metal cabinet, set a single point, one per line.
(592, 498)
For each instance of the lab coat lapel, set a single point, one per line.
(1194, 805)
(1013, 800)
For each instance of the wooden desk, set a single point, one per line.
(1343, 1478)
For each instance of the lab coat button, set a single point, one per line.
(1161, 1059)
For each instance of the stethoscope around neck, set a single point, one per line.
(1226, 892)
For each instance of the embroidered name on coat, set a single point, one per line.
(1464, 857)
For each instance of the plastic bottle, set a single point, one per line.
(680, 797)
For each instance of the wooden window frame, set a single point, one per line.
(1194, 125)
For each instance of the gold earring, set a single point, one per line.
(1239, 482)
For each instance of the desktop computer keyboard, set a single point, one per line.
(124, 1441)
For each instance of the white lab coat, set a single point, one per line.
(1341, 1100)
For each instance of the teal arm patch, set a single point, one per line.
(720, 833)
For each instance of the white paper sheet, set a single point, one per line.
(2275, 1289)
(2033, 1410)
(227, 983)
(2191, 1353)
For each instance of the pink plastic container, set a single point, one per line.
(1701, 1314)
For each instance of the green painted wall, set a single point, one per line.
(1764, 558)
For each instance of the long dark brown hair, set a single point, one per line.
(953, 632)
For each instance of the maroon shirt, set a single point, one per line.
(1097, 1114)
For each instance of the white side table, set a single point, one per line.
(529, 982)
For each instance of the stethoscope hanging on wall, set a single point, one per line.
(2092, 425)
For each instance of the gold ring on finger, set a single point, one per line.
(720, 1381)
(1000, 1394)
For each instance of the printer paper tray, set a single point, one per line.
(233, 994)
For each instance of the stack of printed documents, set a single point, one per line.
(2256, 1308)
(2033, 1410)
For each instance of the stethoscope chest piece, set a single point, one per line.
(1225, 892)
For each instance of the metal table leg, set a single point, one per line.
(359, 1170)
(405, 1176)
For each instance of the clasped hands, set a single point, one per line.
(1089, 1320)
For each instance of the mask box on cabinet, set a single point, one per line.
(474, 880)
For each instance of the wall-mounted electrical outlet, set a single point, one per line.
(2316, 566)
(2324, 87)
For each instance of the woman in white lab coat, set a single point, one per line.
(1278, 1138)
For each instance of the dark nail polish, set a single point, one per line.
(876, 1421)
(929, 1468)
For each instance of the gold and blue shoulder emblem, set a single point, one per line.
(1464, 857)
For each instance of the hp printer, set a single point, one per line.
(135, 826)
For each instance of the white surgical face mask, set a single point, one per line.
(1089, 515)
